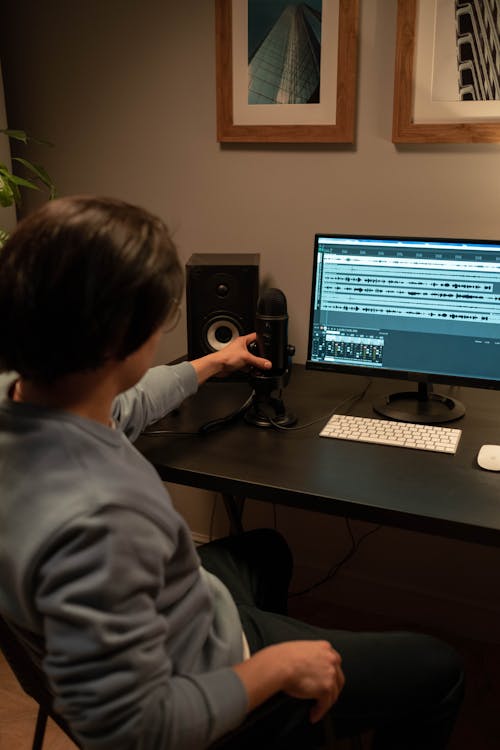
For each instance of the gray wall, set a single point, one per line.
(126, 91)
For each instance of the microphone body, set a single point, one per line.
(271, 327)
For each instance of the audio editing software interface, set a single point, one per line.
(407, 305)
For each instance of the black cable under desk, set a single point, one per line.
(436, 493)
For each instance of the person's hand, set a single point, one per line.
(315, 672)
(234, 356)
(302, 669)
(237, 356)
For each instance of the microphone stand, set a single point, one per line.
(267, 407)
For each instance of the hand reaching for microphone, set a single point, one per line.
(302, 669)
(234, 356)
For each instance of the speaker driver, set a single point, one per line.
(220, 332)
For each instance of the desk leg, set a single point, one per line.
(234, 508)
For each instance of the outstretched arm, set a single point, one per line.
(234, 356)
(165, 387)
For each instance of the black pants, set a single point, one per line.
(405, 686)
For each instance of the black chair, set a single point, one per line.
(34, 683)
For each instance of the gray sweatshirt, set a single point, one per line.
(99, 573)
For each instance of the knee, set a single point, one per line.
(441, 669)
(449, 667)
(272, 545)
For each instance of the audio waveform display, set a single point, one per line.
(407, 305)
(425, 293)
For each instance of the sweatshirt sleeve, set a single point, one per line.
(107, 644)
(161, 390)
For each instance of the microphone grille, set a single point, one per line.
(272, 302)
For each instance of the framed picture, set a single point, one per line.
(447, 72)
(286, 70)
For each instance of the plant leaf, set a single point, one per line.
(37, 169)
(13, 179)
(22, 135)
(6, 193)
(3, 237)
(40, 141)
(9, 191)
(17, 135)
(17, 194)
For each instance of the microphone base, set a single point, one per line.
(266, 409)
(256, 417)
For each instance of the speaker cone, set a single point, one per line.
(220, 331)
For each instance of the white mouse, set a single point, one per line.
(489, 457)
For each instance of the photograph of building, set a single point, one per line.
(478, 49)
(284, 43)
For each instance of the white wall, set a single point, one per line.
(126, 91)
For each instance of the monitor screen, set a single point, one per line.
(421, 309)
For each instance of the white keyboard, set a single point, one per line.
(386, 432)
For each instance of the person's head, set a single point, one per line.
(83, 280)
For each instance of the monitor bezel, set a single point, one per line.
(403, 375)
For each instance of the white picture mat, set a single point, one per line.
(323, 113)
(433, 70)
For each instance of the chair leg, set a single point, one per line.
(41, 722)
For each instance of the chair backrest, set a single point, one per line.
(31, 679)
(28, 674)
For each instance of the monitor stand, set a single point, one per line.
(422, 406)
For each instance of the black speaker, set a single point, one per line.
(221, 299)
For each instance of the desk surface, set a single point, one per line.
(419, 490)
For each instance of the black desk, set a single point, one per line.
(418, 490)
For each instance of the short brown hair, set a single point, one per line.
(83, 279)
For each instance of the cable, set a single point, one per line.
(355, 398)
(215, 424)
(355, 545)
(212, 519)
(207, 427)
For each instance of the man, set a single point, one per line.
(142, 646)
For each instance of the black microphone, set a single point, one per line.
(271, 327)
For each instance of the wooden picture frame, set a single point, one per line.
(407, 128)
(336, 126)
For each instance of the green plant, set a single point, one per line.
(11, 184)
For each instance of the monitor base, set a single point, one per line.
(422, 406)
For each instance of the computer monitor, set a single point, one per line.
(419, 309)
